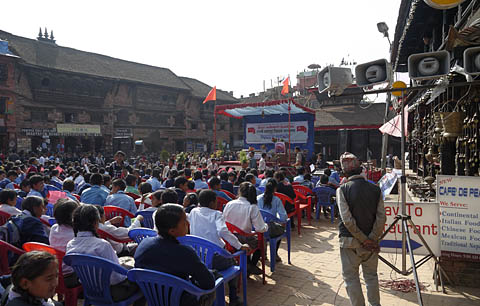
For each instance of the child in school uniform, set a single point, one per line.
(156, 200)
(208, 223)
(28, 222)
(118, 232)
(271, 203)
(244, 214)
(86, 220)
(165, 254)
(62, 232)
(34, 280)
(190, 201)
(8, 200)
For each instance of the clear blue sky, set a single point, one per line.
(234, 45)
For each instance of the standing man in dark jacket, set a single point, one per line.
(362, 221)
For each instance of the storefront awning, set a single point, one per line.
(277, 107)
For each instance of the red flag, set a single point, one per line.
(285, 86)
(212, 95)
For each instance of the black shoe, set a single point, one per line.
(278, 259)
(251, 269)
(235, 302)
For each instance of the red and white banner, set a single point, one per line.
(263, 133)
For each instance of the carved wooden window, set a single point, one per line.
(3, 74)
(39, 115)
(96, 117)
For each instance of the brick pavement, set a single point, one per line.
(315, 276)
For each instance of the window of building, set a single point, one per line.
(39, 115)
(3, 74)
(194, 126)
(3, 105)
(96, 117)
(69, 117)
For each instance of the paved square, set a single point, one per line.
(314, 278)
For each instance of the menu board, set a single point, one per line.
(459, 202)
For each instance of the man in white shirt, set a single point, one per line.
(170, 166)
(113, 227)
(300, 175)
(245, 216)
(41, 160)
(208, 223)
(262, 164)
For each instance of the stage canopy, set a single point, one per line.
(278, 107)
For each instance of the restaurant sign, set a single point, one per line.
(79, 130)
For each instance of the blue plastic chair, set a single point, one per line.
(267, 218)
(324, 196)
(94, 274)
(162, 289)
(205, 251)
(49, 210)
(140, 233)
(235, 189)
(262, 189)
(315, 180)
(147, 217)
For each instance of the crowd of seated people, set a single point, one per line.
(183, 200)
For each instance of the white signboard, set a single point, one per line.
(263, 133)
(426, 220)
(459, 199)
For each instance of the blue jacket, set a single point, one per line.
(94, 195)
(120, 199)
(168, 256)
(226, 186)
(31, 228)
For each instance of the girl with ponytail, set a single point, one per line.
(271, 203)
(86, 219)
(244, 214)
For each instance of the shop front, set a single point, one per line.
(63, 138)
(123, 140)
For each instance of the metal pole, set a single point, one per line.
(289, 139)
(403, 182)
(383, 164)
(215, 126)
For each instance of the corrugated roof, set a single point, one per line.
(201, 90)
(49, 55)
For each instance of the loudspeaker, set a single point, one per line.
(471, 60)
(431, 65)
(373, 73)
(334, 80)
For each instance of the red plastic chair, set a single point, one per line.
(221, 202)
(107, 236)
(71, 294)
(139, 201)
(6, 247)
(228, 193)
(296, 212)
(77, 196)
(16, 186)
(4, 217)
(305, 199)
(113, 211)
(295, 183)
(261, 246)
(133, 195)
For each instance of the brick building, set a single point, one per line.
(80, 101)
